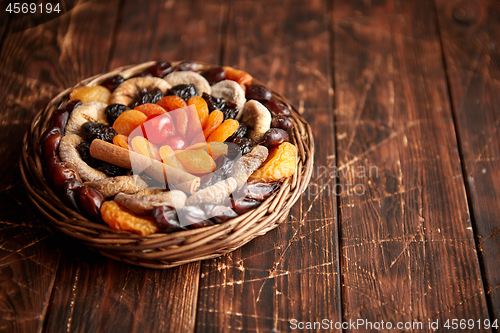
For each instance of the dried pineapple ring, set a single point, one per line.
(68, 153)
(230, 91)
(92, 111)
(128, 91)
(183, 77)
(258, 117)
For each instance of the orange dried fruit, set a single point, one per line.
(167, 155)
(150, 109)
(171, 103)
(241, 77)
(214, 149)
(201, 108)
(224, 131)
(119, 218)
(142, 146)
(281, 163)
(121, 141)
(214, 120)
(196, 161)
(128, 121)
(91, 94)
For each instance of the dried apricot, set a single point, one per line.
(91, 94)
(196, 161)
(214, 120)
(119, 218)
(144, 147)
(171, 103)
(224, 131)
(167, 155)
(176, 107)
(281, 163)
(201, 108)
(128, 121)
(121, 141)
(150, 109)
(214, 149)
(241, 77)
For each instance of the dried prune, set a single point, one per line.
(282, 122)
(243, 205)
(214, 75)
(193, 217)
(258, 92)
(184, 91)
(274, 137)
(240, 132)
(93, 130)
(219, 213)
(230, 111)
(245, 144)
(113, 111)
(160, 69)
(187, 66)
(113, 82)
(165, 218)
(146, 96)
(277, 108)
(89, 201)
(259, 191)
(214, 103)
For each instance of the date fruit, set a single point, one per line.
(274, 137)
(282, 122)
(277, 108)
(89, 201)
(165, 218)
(193, 217)
(113, 82)
(258, 92)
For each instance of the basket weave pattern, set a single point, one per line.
(162, 250)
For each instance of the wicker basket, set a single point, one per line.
(162, 250)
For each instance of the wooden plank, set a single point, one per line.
(408, 251)
(96, 294)
(470, 32)
(35, 65)
(291, 272)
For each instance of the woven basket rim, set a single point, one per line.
(162, 250)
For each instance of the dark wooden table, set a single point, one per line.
(401, 222)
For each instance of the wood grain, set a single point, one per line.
(104, 295)
(408, 251)
(291, 272)
(36, 64)
(470, 32)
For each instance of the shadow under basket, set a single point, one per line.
(162, 250)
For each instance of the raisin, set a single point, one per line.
(230, 111)
(83, 149)
(214, 75)
(258, 92)
(184, 91)
(277, 108)
(93, 130)
(113, 82)
(165, 218)
(112, 170)
(91, 94)
(245, 144)
(219, 213)
(214, 103)
(187, 66)
(274, 137)
(240, 132)
(113, 111)
(160, 69)
(282, 122)
(146, 96)
(193, 217)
